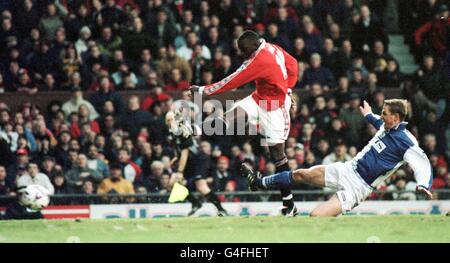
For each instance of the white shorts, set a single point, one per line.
(351, 188)
(273, 125)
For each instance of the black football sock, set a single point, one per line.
(212, 197)
(194, 201)
(286, 193)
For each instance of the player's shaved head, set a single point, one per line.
(170, 117)
(248, 42)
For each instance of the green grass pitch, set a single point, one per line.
(411, 228)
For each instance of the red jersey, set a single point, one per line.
(274, 71)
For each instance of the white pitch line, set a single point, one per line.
(73, 239)
(141, 228)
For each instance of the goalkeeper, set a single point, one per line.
(192, 163)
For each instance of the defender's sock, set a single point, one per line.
(279, 180)
(212, 197)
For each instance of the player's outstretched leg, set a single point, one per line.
(314, 176)
(332, 207)
(257, 182)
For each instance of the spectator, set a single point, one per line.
(25, 83)
(187, 50)
(367, 30)
(49, 83)
(299, 52)
(311, 35)
(220, 176)
(120, 76)
(95, 60)
(175, 83)
(433, 35)
(88, 189)
(134, 118)
(306, 137)
(342, 92)
(48, 166)
(273, 36)
(336, 132)
(321, 115)
(214, 42)
(321, 151)
(318, 74)
(76, 21)
(81, 172)
(61, 188)
(430, 79)
(116, 184)
(357, 81)
(164, 30)
(73, 105)
(81, 45)
(109, 42)
(137, 40)
(338, 155)
(391, 77)
(105, 93)
(5, 187)
(345, 58)
(27, 17)
(19, 167)
(4, 87)
(130, 170)
(378, 52)
(59, 44)
(52, 20)
(172, 60)
(33, 176)
(95, 163)
(330, 56)
(400, 183)
(353, 120)
(335, 34)
(111, 14)
(286, 24)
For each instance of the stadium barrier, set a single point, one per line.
(299, 195)
(236, 209)
(154, 205)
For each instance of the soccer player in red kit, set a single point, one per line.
(275, 72)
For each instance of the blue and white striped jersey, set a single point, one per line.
(387, 151)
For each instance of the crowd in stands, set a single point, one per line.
(104, 143)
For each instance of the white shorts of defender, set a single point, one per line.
(350, 188)
(273, 125)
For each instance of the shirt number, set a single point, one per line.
(279, 57)
(379, 146)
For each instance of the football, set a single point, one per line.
(35, 197)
